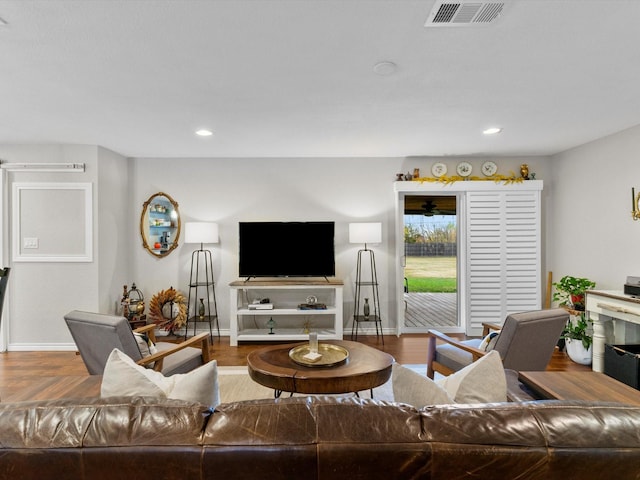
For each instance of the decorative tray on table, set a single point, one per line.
(332, 355)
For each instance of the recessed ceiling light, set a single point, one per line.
(492, 131)
(385, 68)
(203, 132)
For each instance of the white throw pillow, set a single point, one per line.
(123, 376)
(483, 381)
(146, 346)
(415, 389)
(489, 341)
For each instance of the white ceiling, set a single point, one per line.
(294, 78)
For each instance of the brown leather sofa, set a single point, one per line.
(316, 438)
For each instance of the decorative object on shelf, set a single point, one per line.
(570, 291)
(201, 310)
(416, 173)
(635, 201)
(438, 169)
(124, 302)
(366, 233)
(524, 171)
(168, 309)
(489, 169)
(202, 263)
(271, 325)
(399, 177)
(506, 179)
(408, 176)
(464, 169)
(132, 306)
(312, 306)
(306, 326)
(366, 310)
(160, 224)
(136, 300)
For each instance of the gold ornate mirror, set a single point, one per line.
(160, 224)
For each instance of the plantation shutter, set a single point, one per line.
(503, 255)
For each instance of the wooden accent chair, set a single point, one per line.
(526, 342)
(97, 334)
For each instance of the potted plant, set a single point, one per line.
(570, 291)
(578, 340)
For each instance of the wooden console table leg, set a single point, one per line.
(598, 342)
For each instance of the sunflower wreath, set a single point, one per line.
(158, 313)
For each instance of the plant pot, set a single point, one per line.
(561, 344)
(577, 352)
(577, 301)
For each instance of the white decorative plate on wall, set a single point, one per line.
(489, 169)
(464, 169)
(438, 169)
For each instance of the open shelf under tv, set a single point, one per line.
(290, 321)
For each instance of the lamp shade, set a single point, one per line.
(365, 232)
(201, 232)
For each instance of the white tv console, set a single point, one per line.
(291, 322)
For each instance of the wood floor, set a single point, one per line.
(18, 369)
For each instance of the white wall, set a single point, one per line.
(227, 191)
(114, 251)
(222, 190)
(40, 293)
(294, 189)
(591, 232)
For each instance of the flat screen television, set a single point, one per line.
(287, 249)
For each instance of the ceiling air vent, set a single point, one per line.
(462, 14)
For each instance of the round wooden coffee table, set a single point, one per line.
(365, 369)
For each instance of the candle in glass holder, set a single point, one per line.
(313, 342)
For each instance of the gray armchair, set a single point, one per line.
(526, 342)
(96, 335)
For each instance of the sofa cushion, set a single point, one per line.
(482, 381)
(414, 389)
(123, 377)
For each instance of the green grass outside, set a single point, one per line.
(431, 274)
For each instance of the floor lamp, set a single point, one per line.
(366, 233)
(201, 232)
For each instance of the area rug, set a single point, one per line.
(235, 384)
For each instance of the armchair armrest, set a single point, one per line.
(202, 340)
(150, 330)
(433, 336)
(477, 353)
(146, 328)
(486, 326)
